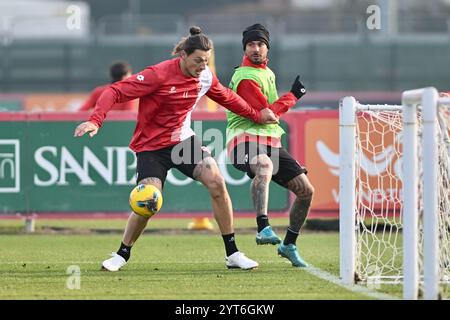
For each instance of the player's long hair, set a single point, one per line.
(197, 40)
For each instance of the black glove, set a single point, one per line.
(298, 89)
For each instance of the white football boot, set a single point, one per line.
(238, 260)
(114, 263)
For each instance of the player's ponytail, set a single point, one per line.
(195, 30)
(196, 41)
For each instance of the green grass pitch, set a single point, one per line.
(185, 266)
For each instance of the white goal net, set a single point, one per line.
(378, 196)
(385, 195)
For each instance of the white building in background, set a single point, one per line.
(43, 19)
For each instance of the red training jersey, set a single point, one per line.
(251, 92)
(96, 93)
(167, 99)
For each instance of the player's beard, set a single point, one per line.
(193, 73)
(256, 58)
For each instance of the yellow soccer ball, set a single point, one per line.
(145, 200)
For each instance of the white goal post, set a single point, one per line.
(394, 222)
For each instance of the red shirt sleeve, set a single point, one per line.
(251, 92)
(129, 105)
(230, 100)
(138, 85)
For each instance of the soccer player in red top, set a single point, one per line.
(257, 150)
(163, 139)
(118, 71)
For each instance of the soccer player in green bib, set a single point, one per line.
(256, 148)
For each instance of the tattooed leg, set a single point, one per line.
(304, 191)
(262, 167)
(208, 173)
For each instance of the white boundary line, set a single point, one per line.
(319, 273)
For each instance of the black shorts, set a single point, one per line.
(183, 156)
(285, 167)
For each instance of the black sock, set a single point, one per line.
(124, 251)
(230, 244)
(291, 237)
(262, 221)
